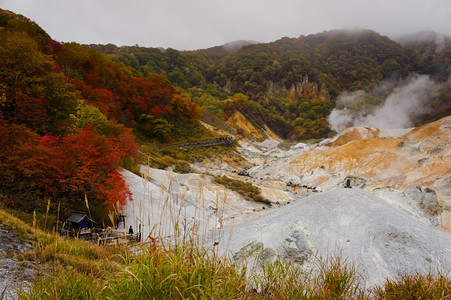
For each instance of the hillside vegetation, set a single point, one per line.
(291, 84)
(68, 119)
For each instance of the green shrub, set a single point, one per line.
(245, 189)
(131, 165)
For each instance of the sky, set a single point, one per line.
(199, 24)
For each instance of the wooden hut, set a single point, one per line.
(78, 224)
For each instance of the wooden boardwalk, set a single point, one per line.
(119, 240)
(228, 141)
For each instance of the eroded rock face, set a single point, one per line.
(383, 241)
(426, 198)
(298, 89)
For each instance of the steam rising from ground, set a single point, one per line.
(397, 110)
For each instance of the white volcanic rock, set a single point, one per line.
(370, 159)
(387, 230)
(164, 200)
(419, 203)
(383, 240)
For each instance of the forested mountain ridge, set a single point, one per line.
(341, 59)
(289, 82)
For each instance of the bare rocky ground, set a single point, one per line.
(383, 237)
(13, 273)
(383, 241)
(395, 220)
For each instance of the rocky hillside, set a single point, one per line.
(419, 158)
(394, 218)
(13, 273)
(417, 163)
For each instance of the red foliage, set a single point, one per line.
(91, 79)
(30, 170)
(127, 144)
(56, 46)
(125, 98)
(91, 162)
(115, 190)
(32, 111)
(50, 166)
(157, 111)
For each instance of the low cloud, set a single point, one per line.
(399, 109)
(196, 24)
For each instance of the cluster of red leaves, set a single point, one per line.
(66, 166)
(121, 96)
(130, 98)
(91, 162)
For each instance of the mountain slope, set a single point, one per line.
(68, 115)
(292, 83)
(420, 157)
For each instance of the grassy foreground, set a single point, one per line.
(74, 269)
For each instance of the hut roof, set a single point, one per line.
(77, 217)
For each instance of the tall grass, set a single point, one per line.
(336, 278)
(80, 270)
(279, 280)
(417, 286)
(64, 283)
(183, 272)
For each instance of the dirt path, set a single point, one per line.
(12, 272)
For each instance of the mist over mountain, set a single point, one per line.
(400, 109)
(425, 42)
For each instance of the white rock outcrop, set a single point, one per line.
(382, 240)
